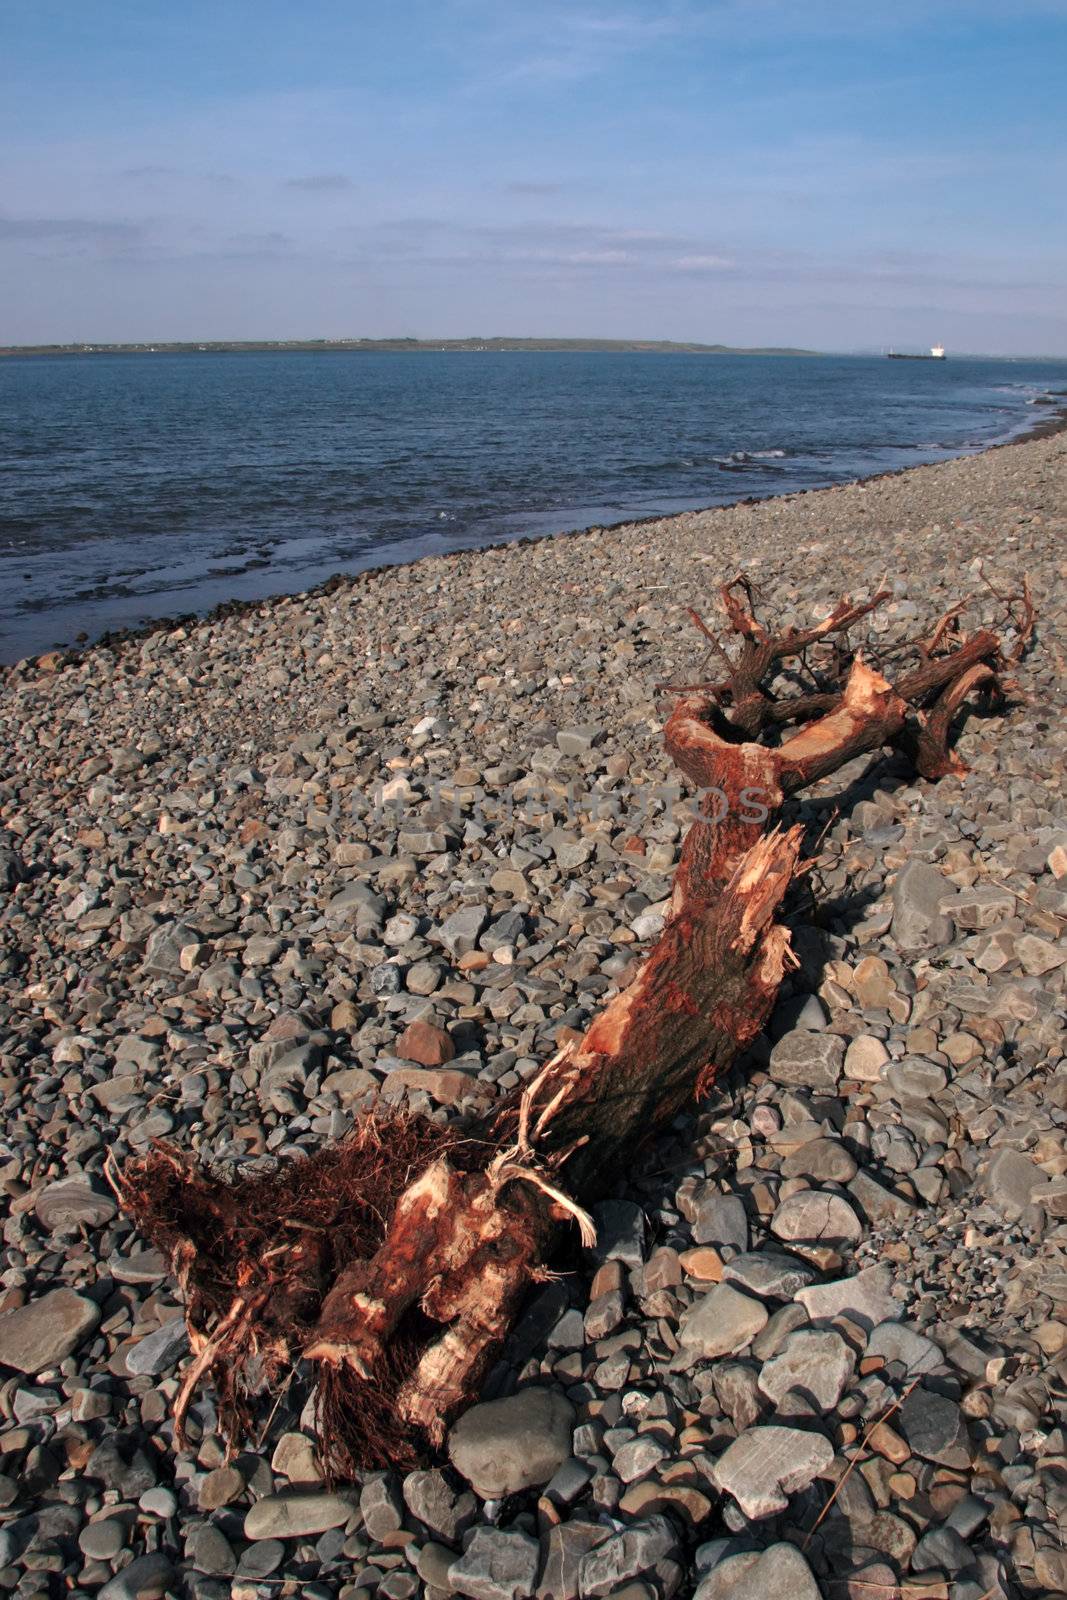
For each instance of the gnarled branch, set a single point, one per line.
(396, 1261)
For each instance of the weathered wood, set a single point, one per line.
(401, 1281)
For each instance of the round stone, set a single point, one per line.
(502, 1446)
(102, 1541)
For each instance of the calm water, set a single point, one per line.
(143, 486)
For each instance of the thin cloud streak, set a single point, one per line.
(69, 233)
(321, 183)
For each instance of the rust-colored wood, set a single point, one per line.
(412, 1314)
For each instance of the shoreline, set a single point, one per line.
(115, 639)
(218, 934)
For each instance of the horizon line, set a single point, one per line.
(355, 341)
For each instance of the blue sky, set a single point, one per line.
(839, 175)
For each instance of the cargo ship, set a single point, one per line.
(936, 353)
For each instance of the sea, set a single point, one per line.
(142, 486)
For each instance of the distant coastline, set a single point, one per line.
(347, 346)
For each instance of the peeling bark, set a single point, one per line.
(396, 1262)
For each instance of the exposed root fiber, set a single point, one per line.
(255, 1258)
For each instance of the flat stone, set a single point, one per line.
(400, 929)
(604, 1315)
(961, 1048)
(721, 1322)
(825, 1160)
(645, 1548)
(768, 1273)
(879, 1203)
(682, 1500)
(73, 1203)
(942, 1549)
(147, 1577)
(918, 922)
(777, 1573)
(1013, 1181)
(422, 977)
(497, 1565)
(144, 1266)
(638, 1458)
(220, 1488)
(158, 1351)
(294, 1458)
(786, 1320)
(704, 1263)
(1051, 1336)
(809, 1060)
(143, 1053)
(432, 1563)
(430, 1497)
(570, 851)
(350, 1084)
(981, 907)
(798, 1011)
(425, 1044)
(158, 1502)
(815, 1363)
(568, 1543)
(934, 1428)
(502, 1446)
(445, 1085)
(356, 904)
(46, 1331)
(298, 1516)
(262, 950)
(165, 945)
(1050, 1569)
(815, 1217)
(764, 1465)
(865, 1058)
(459, 932)
(915, 1078)
(564, 1486)
(663, 1270)
(211, 1552)
(103, 1539)
(381, 1507)
(720, 1219)
(1039, 956)
(864, 1298)
(259, 1560)
(896, 1341)
(578, 741)
(995, 950)
(872, 984)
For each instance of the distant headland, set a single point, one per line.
(345, 346)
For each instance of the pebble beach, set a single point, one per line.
(383, 841)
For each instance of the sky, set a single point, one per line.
(805, 172)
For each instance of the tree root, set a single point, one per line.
(396, 1261)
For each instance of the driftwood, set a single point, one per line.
(396, 1262)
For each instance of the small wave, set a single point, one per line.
(744, 458)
